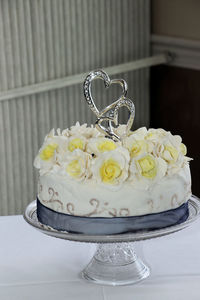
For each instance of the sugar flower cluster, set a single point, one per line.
(82, 153)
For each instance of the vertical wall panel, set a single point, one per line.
(42, 40)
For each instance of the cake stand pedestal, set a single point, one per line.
(115, 261)
(115, 264)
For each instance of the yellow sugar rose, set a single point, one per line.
(170, 154)
(183, 149)
(136, 144)
(137, 148)
(100, 145)
(76, 143)
(74, 168)
(110, 171)
(76, 165)
(106, 145)
(48, 152)
(148, 166)
(111, 167)
(146, 169)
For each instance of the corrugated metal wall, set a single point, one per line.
(42, 40)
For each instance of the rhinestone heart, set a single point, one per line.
(109, 113)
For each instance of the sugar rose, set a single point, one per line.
(100, 145)
(76, 165)
(52, 148)
(76, 142)
(84, 130)
(111, 168)
(135, 147)
(147, 167)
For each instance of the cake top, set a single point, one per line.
(114, 154)
(82, 153)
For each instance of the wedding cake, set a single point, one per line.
(99, 180)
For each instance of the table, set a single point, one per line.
(36, 266)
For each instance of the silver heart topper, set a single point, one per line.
(109, 113)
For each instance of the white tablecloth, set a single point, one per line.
(36, 266)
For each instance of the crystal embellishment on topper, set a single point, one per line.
(110, 112)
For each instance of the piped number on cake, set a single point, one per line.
(123, 212)
(93, 202)
(53, 197)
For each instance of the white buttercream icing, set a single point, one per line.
(82, 172)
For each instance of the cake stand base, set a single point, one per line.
(115, 264)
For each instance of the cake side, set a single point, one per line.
(91, 200)
(88, 199)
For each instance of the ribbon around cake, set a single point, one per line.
(115, 225)
(109, 113)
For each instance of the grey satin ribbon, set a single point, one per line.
(115, 225)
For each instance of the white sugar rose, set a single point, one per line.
(147, 168)
(65, 132)
(76, 165)
(122, 131)
(87, 132)
(140, 133)
(52, 148)
(111, 168)
(100, 145)
(156, 134)
(155, 139)
(165, 145)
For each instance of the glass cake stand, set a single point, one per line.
(115, 261)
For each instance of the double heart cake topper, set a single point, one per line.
(109, 113)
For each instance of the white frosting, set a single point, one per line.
(84, 173)
(91, 199)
